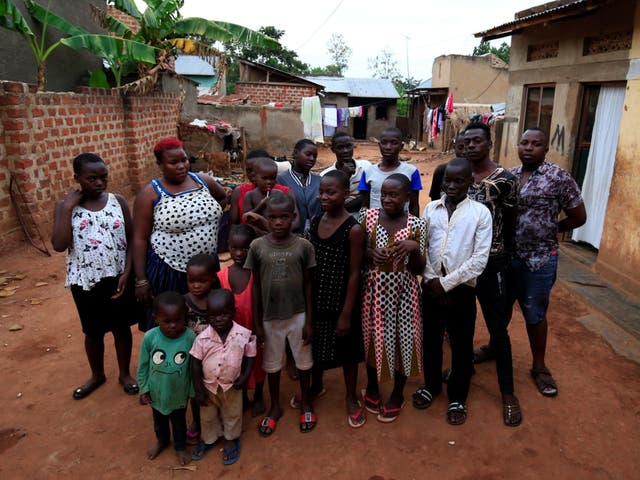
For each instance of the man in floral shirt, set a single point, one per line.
(545, 190)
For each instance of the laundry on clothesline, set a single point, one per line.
(311, 117)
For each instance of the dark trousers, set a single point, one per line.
(492, 296)
(458, 318)
(178, 419)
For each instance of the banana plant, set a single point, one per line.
(115, 51)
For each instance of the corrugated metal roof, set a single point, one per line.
(193, 65)
(357, 87)
(554, 8)
(425, 84)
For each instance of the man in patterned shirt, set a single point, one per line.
(497, 189)
(545, 190)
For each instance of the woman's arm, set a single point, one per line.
(142, 227)
(234, 212)
(217, 191)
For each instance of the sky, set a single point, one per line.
(414, 31)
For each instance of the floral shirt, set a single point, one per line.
(496, 191)
(99, 246)
(546, 192)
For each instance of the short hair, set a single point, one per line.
(84, 158)
(221, 294)
(461, 162)
(243, 230)
(165, 144)
(203, 260)
(300, 144)
(264, 162)
(392, 131)
(339, 135)
(340, 176)
(166, 299)
(541, 130)
(280, 199)
(258, 153)
(479, 126)
(401, 179)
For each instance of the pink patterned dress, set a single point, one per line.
(391, 315)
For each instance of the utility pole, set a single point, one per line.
(407, 38)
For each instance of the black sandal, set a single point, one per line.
(86, 390)
(545, 382)
(511, 413)
(422, 398)
(456, 413)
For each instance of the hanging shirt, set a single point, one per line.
(331, 117)
(311, 117)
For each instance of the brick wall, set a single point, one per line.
(41, 133)
(261, 93)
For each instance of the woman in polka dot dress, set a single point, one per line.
(391, 315)
(175, 217)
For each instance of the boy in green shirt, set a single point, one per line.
(164, 373)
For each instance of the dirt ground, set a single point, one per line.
(590, 431)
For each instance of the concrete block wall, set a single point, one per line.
(41, 133)
(261, 93)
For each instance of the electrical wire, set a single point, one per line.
(320, 26)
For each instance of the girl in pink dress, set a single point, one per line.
(239, 281)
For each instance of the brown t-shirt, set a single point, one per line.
(281, 269)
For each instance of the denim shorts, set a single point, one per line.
(532, 289)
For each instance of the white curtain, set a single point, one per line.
(602, 156)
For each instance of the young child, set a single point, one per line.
(337, 335)
(281, 263)
(304, 183)
(265, 173)
(459, 240)
(342, 147)
(435, 192)
(239, 281)
(372, 179)
(201, 279)
(164, 373)
(95, 227)
(391, 321)
(237, 196)
(222, 359)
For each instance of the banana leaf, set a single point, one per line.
(11, 18)
(45, 16)
(207, 29)
(116, 26)
(128, 7)
(248, 36)
(113, 48)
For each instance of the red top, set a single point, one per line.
(247, 187)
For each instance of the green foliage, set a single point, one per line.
(384, 65)
(274, 55)
(339, 52)
(98, 79)
(503, 52)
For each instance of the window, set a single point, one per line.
(381, 112)
(539, 107)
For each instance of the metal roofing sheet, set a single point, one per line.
(193, 65)
(357, 87)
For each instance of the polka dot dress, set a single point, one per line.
(391, 315)
(184, 224)
(330, 281)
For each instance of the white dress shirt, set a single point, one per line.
(458, 245)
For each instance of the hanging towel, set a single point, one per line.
(449, 104)
(355, 111)
(343, 117)
(434, 124)
(311, 117)
(331, 117)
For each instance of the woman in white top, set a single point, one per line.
(175, 217)
(94, 226)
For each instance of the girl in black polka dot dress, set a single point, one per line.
(337, 338)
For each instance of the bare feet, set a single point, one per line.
(154, 451)
(183, 457)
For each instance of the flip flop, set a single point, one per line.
(192, 437)
(456, 413)
(545, 382)
(357, 419)
(388, 415)
(296, 400)
(201, 450)
(82, 392)
(511, 413)
(372, 406)
(231, 456)
(308, 420)
(267, 426)
(422, 398)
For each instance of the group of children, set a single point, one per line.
(333, 286)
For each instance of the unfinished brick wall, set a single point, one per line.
(261, 93)
(41, 133)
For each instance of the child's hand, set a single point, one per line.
(405, 248)
(258, 331)
(344, 325)
(380, 256)
(72, 199)
(145, 399)
(307, 333)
